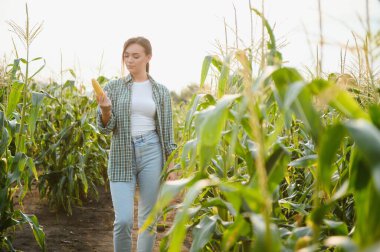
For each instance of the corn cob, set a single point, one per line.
(98, 90)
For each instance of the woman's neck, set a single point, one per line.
(140, 77)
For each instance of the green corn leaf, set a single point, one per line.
(224, 77)
(217, 63)
(179, 227)
(329, 145)
(304, 162)
(209, 125)
(37, 99)
(169, 190)
(265, 240)
(15, 67)
(367, 138)
(205, 67)
(338, 98)
(193, 108)
(346, 104)
(14, 97)
(240, 227)
(38, 232)
(32, 167)
(218, 202)
(4, 137)
(338, 227)
(367, 216)
(276, 167)
(203, 232)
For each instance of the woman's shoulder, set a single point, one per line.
(112, 83)
(162, 88)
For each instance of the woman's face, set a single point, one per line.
(135, 59)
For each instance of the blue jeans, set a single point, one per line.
(147, 167)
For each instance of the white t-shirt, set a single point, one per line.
(143, 108)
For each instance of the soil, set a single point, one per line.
(89, 228)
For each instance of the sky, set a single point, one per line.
(91, 33)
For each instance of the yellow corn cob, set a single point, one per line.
(98, 90)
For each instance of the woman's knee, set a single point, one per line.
(124, 222)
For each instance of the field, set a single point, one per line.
(89, 228)
(269, 158)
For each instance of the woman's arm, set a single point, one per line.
(106, 120)
(168, 130)
(106, 115)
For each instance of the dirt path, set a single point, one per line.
(90, 228)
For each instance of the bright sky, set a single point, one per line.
(182, 33)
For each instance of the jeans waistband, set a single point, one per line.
(143, 135)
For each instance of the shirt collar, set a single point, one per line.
(128, 79)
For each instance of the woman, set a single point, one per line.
(137, 110)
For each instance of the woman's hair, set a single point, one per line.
(136, 40)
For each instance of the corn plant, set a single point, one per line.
(17, 168)
(69, 152)
(284, 164)
(14, 170)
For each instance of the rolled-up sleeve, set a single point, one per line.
(168, 130)
(106, 129)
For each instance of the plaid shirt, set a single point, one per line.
(120, 158)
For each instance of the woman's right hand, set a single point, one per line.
(104, 103)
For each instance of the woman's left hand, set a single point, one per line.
(171, 175)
